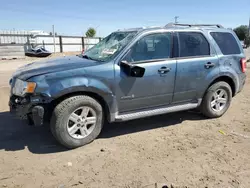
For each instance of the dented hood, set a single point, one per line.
(52, 65)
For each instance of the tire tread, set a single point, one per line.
(205, 109)
(60, 111)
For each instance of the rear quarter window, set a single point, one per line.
(226, 42)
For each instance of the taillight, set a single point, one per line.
(243, 63)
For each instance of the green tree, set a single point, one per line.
(241, 32)
(91, 32)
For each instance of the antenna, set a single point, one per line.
(176, 19)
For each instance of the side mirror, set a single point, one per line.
(132, 70)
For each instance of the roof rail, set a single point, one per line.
(194, 25)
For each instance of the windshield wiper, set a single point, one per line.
(87, 57)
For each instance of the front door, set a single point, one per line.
(156, 87)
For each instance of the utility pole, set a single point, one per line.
(176, 19)
(54, 41)
(249, 27)
(97, 30)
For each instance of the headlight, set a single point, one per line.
(22, 87)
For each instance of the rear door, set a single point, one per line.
(196, 62)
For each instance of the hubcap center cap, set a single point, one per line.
(83, 121)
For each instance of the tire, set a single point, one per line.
(209, 109)
(60, 121)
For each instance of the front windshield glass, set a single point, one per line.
(111, 45)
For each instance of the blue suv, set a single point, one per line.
(131, 74)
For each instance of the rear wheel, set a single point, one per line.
(216, 100)
(77, 121)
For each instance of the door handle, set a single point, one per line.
(209, 65)
(164, 70)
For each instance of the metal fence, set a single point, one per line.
(61, 43)
(17, 37)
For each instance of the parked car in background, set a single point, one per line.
(131, 74)
(242, 44)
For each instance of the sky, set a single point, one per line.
(74, 17)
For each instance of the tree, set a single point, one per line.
(241, 32)
(90, 32)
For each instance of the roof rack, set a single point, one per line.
(194, 25)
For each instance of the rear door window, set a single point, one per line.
(193, 44)
(226, 42)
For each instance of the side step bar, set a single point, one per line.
(155, 111)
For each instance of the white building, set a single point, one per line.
(38, 32)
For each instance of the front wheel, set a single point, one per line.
(217, 100)
(77, 121)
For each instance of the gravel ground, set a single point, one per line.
(183, 149)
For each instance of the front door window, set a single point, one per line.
(151, 47)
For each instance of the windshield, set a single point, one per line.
(111, 45)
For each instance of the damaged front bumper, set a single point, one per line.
(23, 109)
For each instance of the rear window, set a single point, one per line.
(226, 42)
(193, 44)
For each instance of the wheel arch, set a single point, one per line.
(97, 97)
(226, 79)
(56, 90)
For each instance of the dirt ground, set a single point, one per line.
(183, 149)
